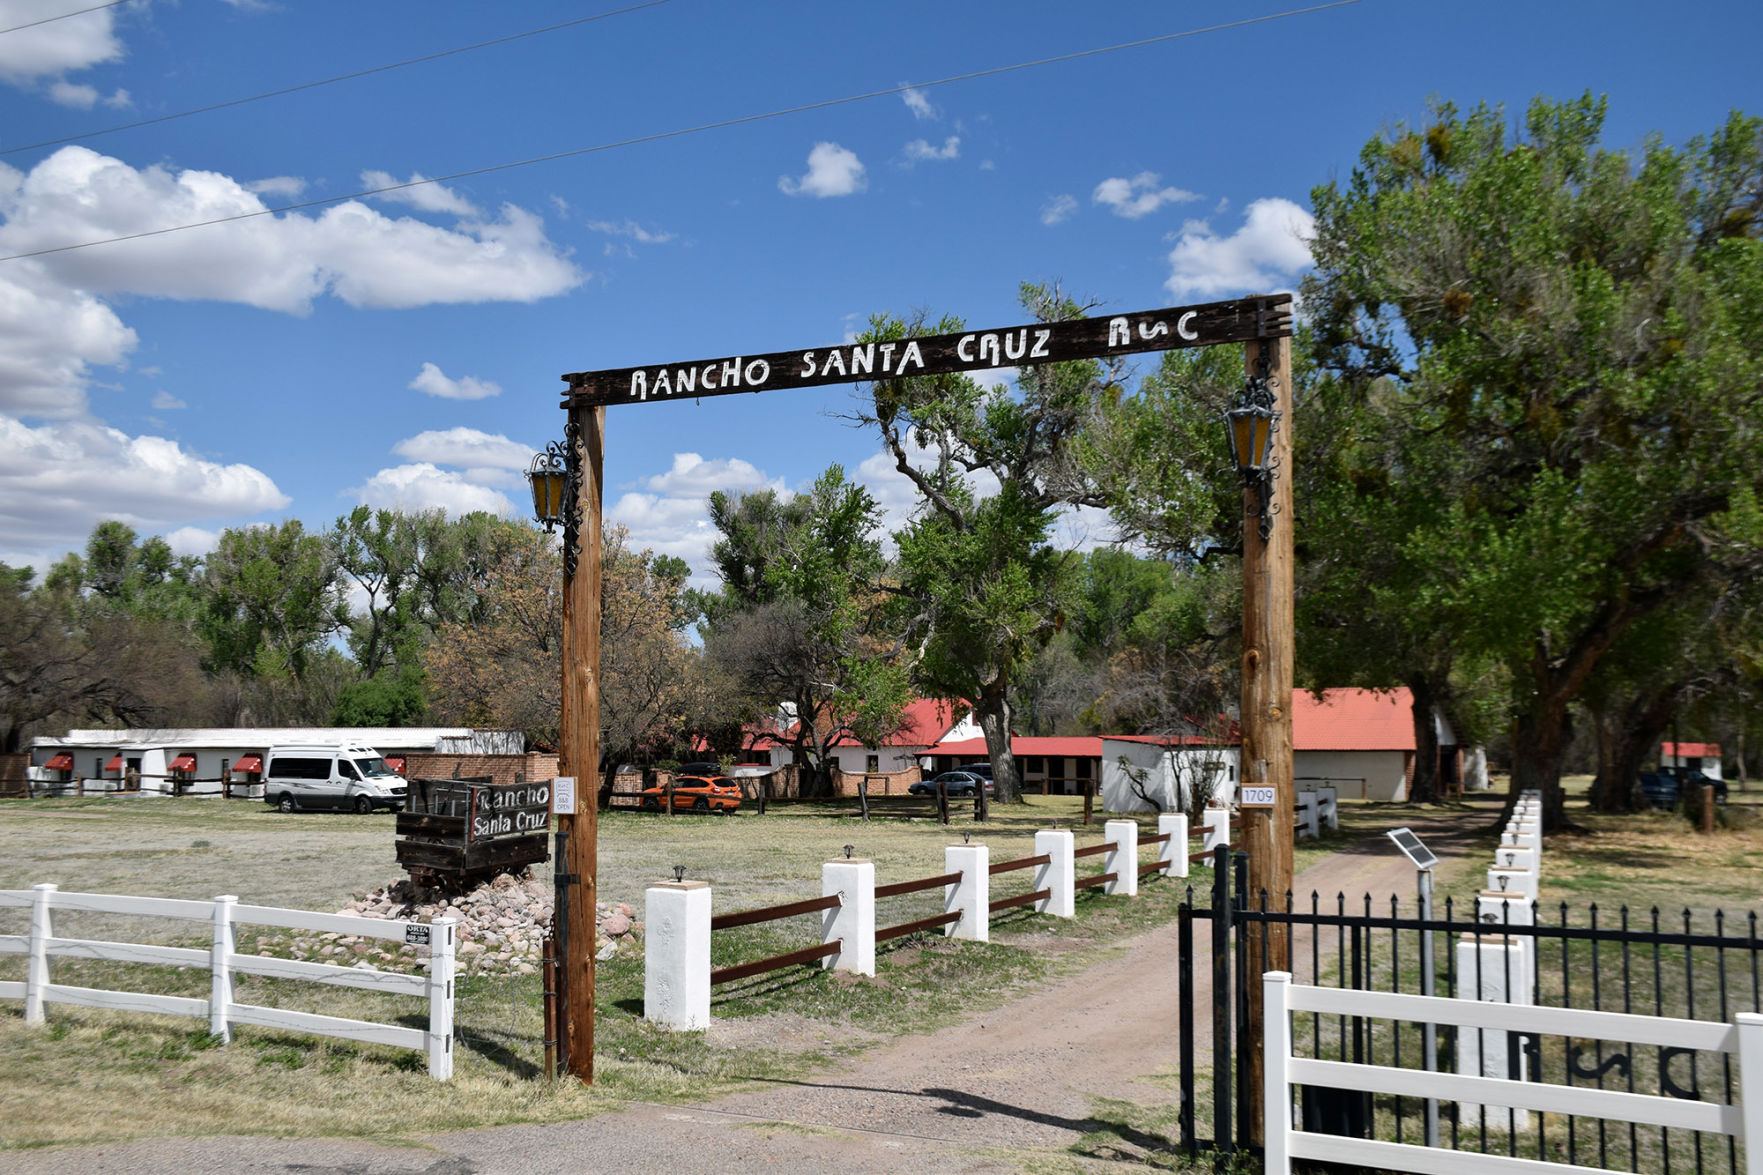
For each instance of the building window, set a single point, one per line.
(97, 766)
(1083, 768)
(1032, 765)
(872, 763)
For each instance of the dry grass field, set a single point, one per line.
(157, 1075)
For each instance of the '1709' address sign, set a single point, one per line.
(1238, 321)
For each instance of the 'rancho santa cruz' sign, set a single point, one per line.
(1238, 321)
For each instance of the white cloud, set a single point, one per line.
(832, 171)
(83, 97)
(668, 512)
(476, 451)
(631, 229)
(918, 104)
(918, 150)
(693, 477)
(1058, 208)
(166, 402)
(192, 540)
(276, 262)
(50, 337)
(425, 195)
(431, 381)
(48, 50)
(1138, 196)
(59, 480)
(288, 187)
(423, 486)
(1263, 256)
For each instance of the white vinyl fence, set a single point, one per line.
(222, 961)
(1742, 1041)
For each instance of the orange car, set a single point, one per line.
(700, 793)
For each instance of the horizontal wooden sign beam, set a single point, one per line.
(1203, 325)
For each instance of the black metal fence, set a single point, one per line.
(1652, 963)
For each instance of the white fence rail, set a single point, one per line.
(1742, 1040)
(223, 915)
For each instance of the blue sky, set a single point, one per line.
(405, 349)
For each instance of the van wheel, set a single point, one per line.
(285, 804)
(363, 805)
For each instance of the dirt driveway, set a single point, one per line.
(1008, 1090)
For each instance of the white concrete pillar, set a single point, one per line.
(852, 922)
(1522, 882)
(1122, 857)
(676, 954)
(972, 895)
(1330, 799)
(36, 976)
(1173, 853)
(1217, 828)
(221, 950)
(1515, 857)
(1059, 875)
(1308, 825)
(1490, 969)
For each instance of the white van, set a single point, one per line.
(336, 777)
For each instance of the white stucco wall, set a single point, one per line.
(1383, 772)
(1165, 777)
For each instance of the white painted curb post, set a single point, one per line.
(676, 954)
(37, 968)
(443, 943)
(972, 895)
(1122, 857)
(1276, 1053)
(1330, 798)
(1059, 875)
(1494, 969)
(1521, 882)
(1174, 851)
(1514, 857)
(852, 921)
(1217, 828)
(1750, 1051)
(220, 994)
(1307, 814)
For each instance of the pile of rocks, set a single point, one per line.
(502, 924)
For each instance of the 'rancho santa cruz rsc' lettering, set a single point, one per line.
(1016, 346)
(510, 811)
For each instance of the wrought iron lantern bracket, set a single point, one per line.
(1252, 421)
(556, 476)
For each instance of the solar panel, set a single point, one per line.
(1412, 848)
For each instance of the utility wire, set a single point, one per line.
(52, 19)
(342, 77)
(658, 136)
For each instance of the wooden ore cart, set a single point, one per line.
(456, 830)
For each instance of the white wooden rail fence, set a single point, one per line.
(223, 961)
(1742, 1039)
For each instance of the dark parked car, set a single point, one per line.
(959, 783)
(983, 770)
(1664, 787)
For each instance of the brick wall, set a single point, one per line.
(881, 783)
(533, 765)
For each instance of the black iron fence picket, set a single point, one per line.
(1648, 963)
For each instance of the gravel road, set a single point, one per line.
(1011, 1088)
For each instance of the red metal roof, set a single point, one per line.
(182, 763)
(1353, 720)
(1076, 747)
(925, 721)
(396, 763)
(115, 763)
(251, 763)
(61, 761)
(1690, 750)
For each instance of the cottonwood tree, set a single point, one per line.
(985, 585)
(802, 621)
(1561, 348)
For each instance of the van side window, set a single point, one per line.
(347, 769)
(300, 767)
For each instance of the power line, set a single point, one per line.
(52, 19)
(658, 136)
(342, 77)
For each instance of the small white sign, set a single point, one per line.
(563, 795)
(1259, 797)
(417, 935)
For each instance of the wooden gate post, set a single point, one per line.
(1266, 721)
(579, 736)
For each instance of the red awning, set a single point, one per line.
(115, 764)
(252, 763)
(60, 762)
(396, 763)
(182, 763)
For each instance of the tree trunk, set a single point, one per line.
(1625, 742)
(1539, 740)
(993, 712)
(1425, 788)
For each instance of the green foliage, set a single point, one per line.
(393, 698)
